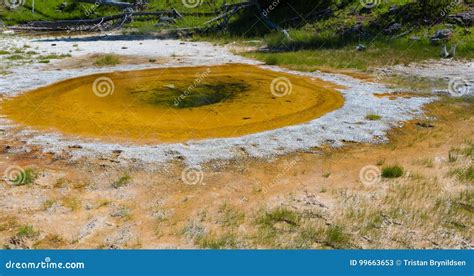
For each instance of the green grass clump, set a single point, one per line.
(15, 57)
(24, 177)
(453, 155)
(122, 181)
(271, 60)
(279, 215)
(392, 171)
(55, 56)
(225, 241)
(27, 231)
(107, 60)
(465, 175)
(373, 117)
(336, 237)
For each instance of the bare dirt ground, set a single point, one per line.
(317, 198)
(75, 205)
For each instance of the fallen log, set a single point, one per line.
(64, 24)
(122, 5)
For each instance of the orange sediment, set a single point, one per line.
(175, 104)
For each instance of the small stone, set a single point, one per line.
(361, 48)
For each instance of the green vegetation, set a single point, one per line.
(27, 231)
(48, 204)
(464, 174)
(392, 171)
(24, 177)
(280, 215)
(453, 155)
(210, 241)
(327, 37)
(336, 237)
(230, 216)
(15, 57)
(53, 56)
(107, 60)
(373, 117)
(124, 180)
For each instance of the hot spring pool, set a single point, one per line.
(174, 104)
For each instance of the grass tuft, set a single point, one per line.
(25, 177)
(27, 231)
(373, 117)
(124, 180)
(107, 60)
(392, 171)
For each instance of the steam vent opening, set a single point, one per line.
(174, 104)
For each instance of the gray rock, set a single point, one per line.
(120, 238)
(393, 29)
(444, 34)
